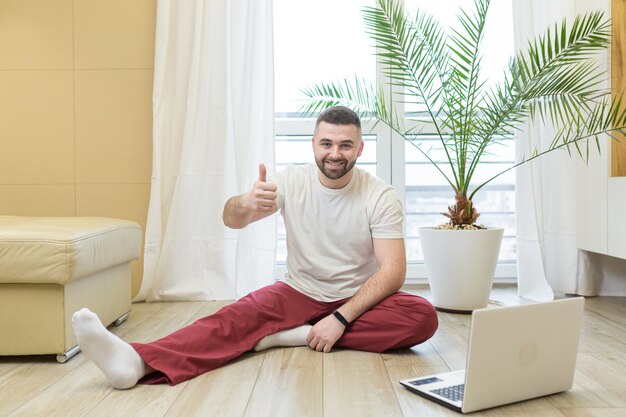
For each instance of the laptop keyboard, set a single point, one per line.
(453, 393)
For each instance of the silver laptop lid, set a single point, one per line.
(521, 352)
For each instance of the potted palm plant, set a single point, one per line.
(555, 80)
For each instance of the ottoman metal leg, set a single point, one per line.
(64, 357)
(120, 319)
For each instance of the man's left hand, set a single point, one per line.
(325, 334)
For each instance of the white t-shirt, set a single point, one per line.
(330, 253)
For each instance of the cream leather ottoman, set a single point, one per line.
(52, 266)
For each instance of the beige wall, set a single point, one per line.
(75, 108)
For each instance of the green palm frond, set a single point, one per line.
(463, 99)
(413, 53)
(358, 94)
(556, 80)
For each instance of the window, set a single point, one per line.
(325, 40)
(315, 41)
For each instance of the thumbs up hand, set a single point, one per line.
(262, 173)
(259, 202)
(261, 199)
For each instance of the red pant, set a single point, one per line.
(399, 321)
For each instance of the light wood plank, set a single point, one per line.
(164, 318)
(357, 384)
(222, 392)
(297, 381)
(597, 340)
(73, 395)
(150, 321)
(140, 401)
(420, 360)
(600, 381)
(611, 309)
(423, 355)
(536, 408)
(209, 308)
(290, 384)
(7, 363)
(85, 387)
(30, 378)
(599, 334)
(594, 412)
(451, 341)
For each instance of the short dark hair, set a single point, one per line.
(339, 115)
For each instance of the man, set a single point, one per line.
(346, 262)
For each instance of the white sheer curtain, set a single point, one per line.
(546, 189)
(213, 124)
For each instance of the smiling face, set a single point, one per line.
(336, 149)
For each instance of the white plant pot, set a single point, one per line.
(460, 265)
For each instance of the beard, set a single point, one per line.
(334, 172)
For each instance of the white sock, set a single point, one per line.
(290, 337)
(119, 362)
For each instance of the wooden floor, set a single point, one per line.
(298, 382)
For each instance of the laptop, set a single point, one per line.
(515, 353)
